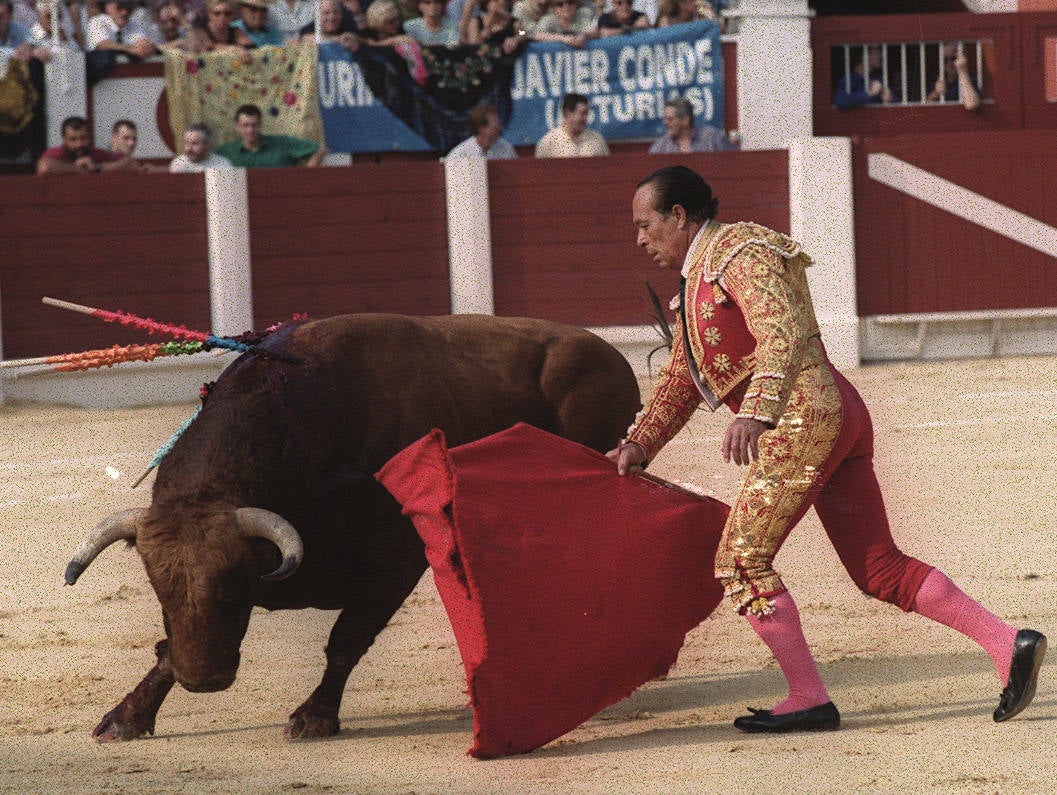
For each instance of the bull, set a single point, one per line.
(269, 498)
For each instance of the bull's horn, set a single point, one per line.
(114, 528)
(259, 523)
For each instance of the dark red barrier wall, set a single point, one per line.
(913, 257)
(135, 242)
(564, 244)
(368, 238)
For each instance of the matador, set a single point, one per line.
(748, 338)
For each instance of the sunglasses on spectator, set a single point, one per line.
(221, 12)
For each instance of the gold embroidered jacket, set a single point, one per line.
(750, 321)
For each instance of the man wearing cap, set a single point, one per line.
(254, 150)
(111, 37)
(254, 25)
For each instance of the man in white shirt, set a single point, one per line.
(198, 152)
(290, 16)
(485, 140)
(112, 37)
(572, 138)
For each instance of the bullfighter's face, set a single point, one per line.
(665, 236)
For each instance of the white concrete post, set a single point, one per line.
(65, 91)
(822, 219)
(469, 236)
(228, 227)
(774, 72)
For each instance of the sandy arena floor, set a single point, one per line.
(966, 455)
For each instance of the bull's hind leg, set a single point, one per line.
(353, 633)
(135, 715)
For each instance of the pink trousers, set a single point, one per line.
(821, 454)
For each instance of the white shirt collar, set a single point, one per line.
(688, 261)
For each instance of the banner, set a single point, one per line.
(207, 88)
(627, 79)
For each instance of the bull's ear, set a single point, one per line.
(259, 523)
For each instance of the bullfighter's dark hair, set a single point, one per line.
(571, 100)
(679, 185)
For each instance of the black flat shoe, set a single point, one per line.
(1028, 650)
(823, 718)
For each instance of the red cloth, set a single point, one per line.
(567, 586)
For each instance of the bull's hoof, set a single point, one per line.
(115, 727)
(310, 721)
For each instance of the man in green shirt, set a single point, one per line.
(254, 150)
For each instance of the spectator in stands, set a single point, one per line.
(198, 154)
(433, 28)
(253, 28)
(254, 150)
(40, 33)
(123, 137)
(339, 23)
(684, 136)
(495, 26)
(113, 38)
(485, 140)
(528, 13)
(14, 36)
(864, 85)
(289, 17)
(955, 84)
(568, 23)
(572, 138)
(169, 24)
(76, 155)
(216, 34)
(621, 19)
(383, 24)
(675, 12)
(70, 33)
(383, 30)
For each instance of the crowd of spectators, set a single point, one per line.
(130, 30)
(116, 31)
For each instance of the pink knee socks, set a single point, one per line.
(943, 601)
(784, 636)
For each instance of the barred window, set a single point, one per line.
(908, 73)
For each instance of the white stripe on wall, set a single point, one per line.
(956, 200)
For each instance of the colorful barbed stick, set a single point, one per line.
(165, 448)
(106, 357)
(151, 326)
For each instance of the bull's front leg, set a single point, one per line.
(318, 716)
(135, 715)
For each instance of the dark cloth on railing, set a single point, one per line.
(458, 80)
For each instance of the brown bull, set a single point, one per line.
(269, 497)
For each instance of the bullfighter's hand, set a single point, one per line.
(629, 457)
(742, 442)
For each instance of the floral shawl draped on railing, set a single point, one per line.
(207, 88)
